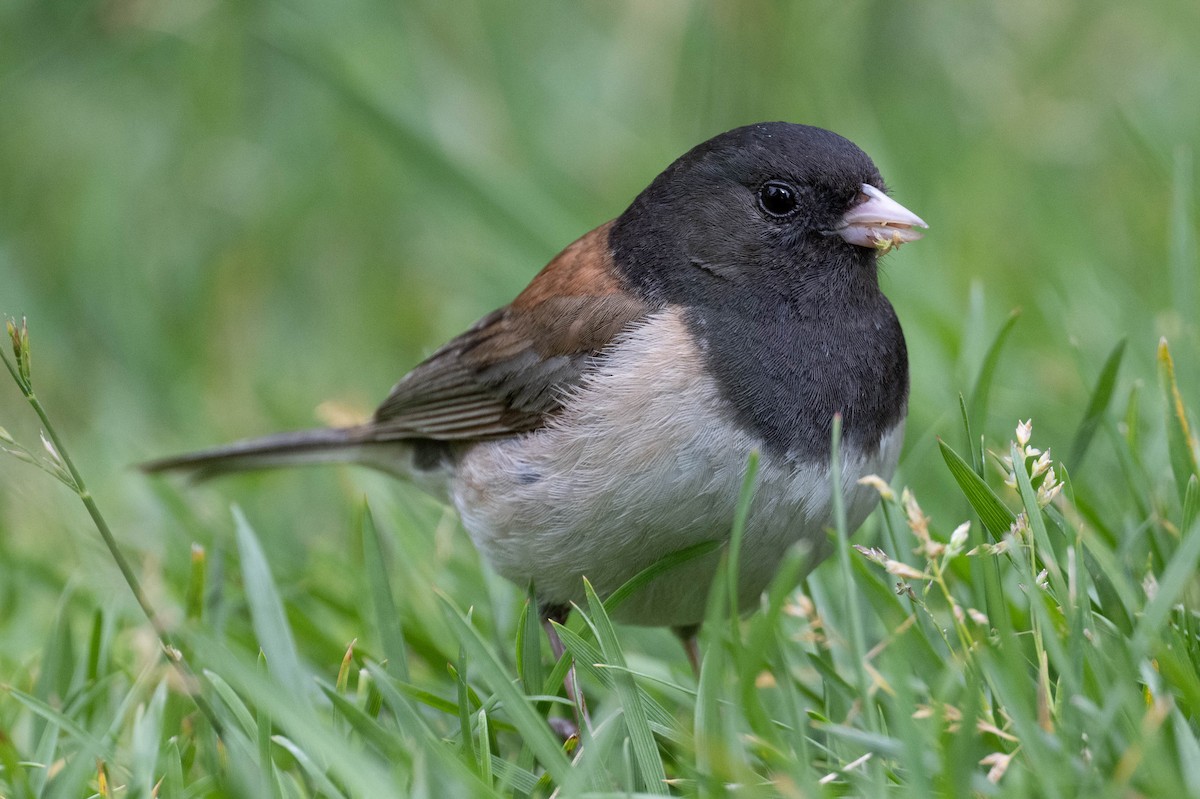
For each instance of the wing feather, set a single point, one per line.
(509, 372)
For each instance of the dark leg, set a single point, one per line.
(558, 614)
(688, 636)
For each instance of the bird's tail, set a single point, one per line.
(329, 445)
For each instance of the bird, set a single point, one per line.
(604, 419)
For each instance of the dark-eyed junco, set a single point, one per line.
(604, 418)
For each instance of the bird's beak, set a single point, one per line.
(880, 222)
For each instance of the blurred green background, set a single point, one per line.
(220, 215)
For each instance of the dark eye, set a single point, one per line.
(777, 198)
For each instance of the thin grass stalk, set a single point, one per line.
(20, 373)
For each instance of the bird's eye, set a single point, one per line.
(777, 199)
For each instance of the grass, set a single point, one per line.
(1034, 651)
(218, 217)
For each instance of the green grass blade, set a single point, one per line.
(44, 755)
(585, 656)
(425, 697)
(57, 670)
(630, 586)
(485, 748)
(241, 713)
(972, 450)
(96, 647)
(268, 785)
(764, 625)
(1179, 670)
(1116, 588)
(172, 783)
(61, 722)
(148, 735)
(1191, 503)
(657, 569)
(387, 619)
(371, 731)
(1097, 405)
(271, 627)
(532, 727)
(994, 514)
(1180, 571)
(645, 749)
(395, 696)
(1132, 417)
(465, 707)
(514, 776)
(361, 773)
(871, 741)
(733, 559)
(309, 766)
(529, 645)
(853, 614)
(590, 662)
(709, 728)
(1188, 751)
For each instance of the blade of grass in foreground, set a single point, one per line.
(710, 730)
(1179, 572)
(359, 772)
(243, 718)
(1191, 502)
(531, 726)
(994, 514)
(307, 764)
(529, 645)
(858, 647)
(629, 587)
(733, 558)
(391, 633)
(63, 723)
(590, 662)
(645, 749)
(62, 467)
(144, 748)
(271, 627)
(975, 452)
(660, 567)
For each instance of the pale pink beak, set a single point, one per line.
(879, 222)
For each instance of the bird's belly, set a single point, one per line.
(646, 461)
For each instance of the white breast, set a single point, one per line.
(648, 462)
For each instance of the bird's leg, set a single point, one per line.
(688, 636)
(558, 615)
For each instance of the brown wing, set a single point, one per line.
(508, 372)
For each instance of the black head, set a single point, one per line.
(759, 205)
(767, 236)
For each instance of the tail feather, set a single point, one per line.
(330, 445)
